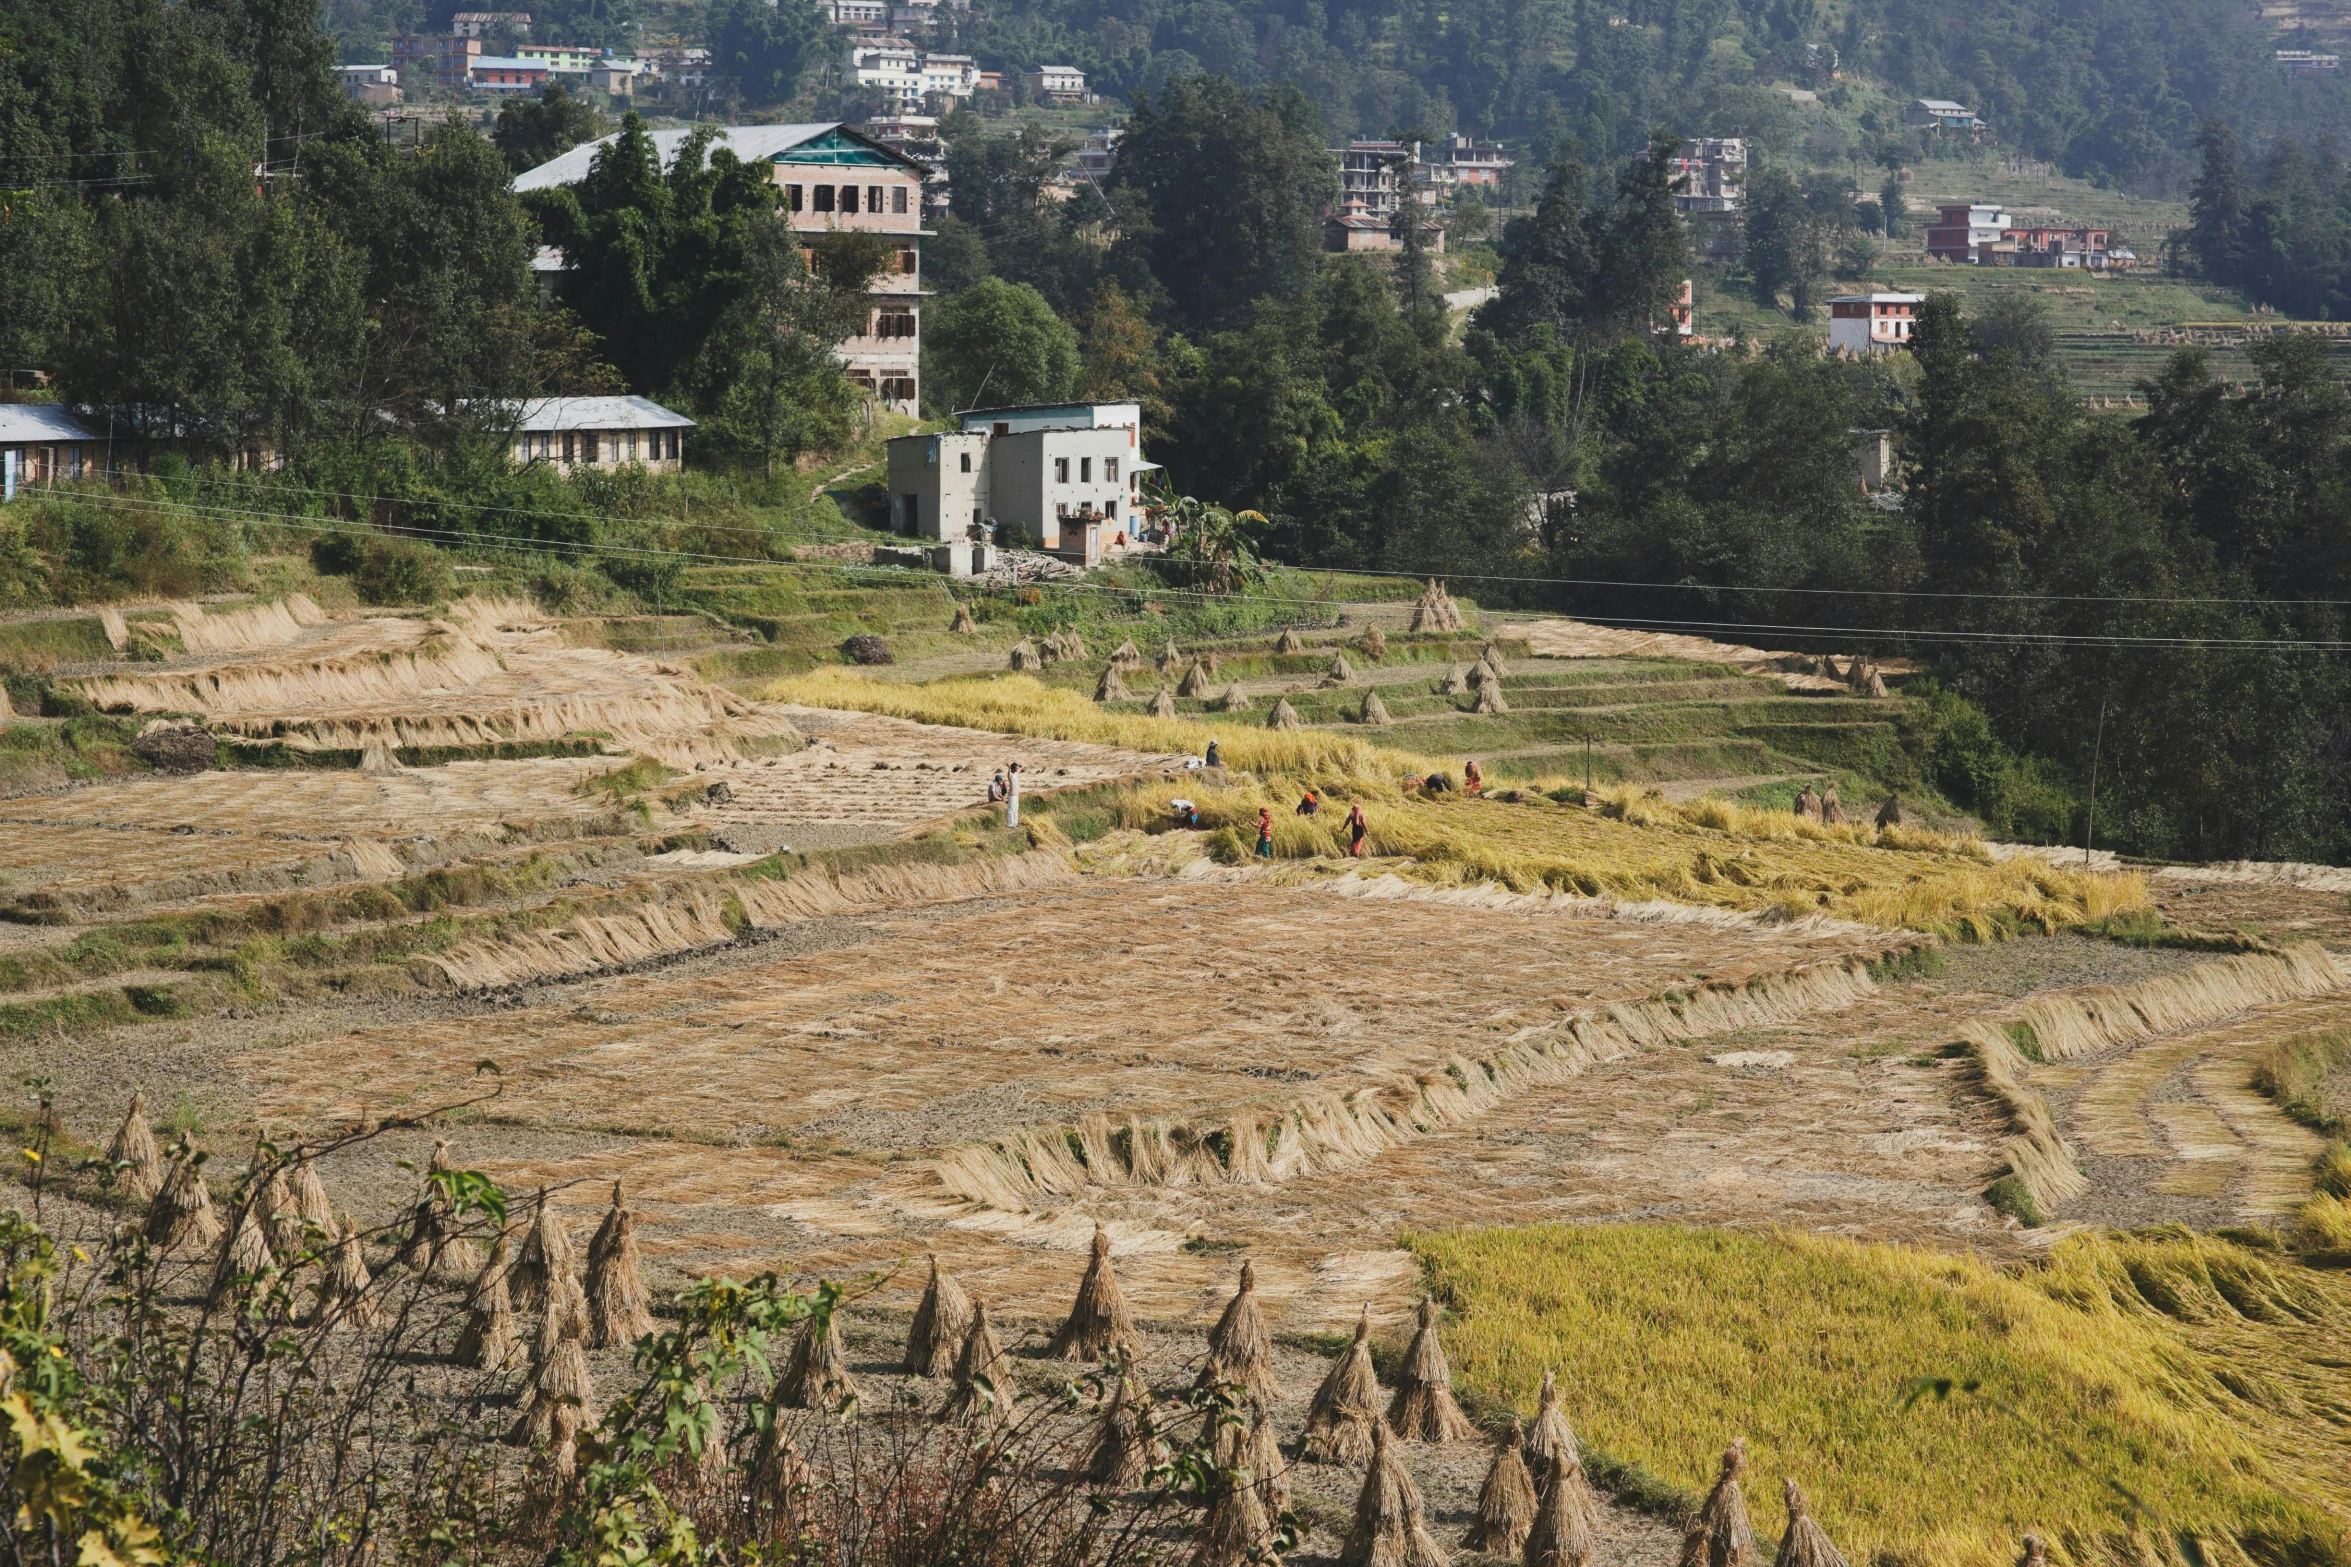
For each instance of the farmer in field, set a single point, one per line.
(1187, 814)
(1215, 757)
(1356, 828)
(1308, 804)
(996, 790)
(1265, 832)
(1473, 779)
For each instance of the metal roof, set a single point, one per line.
(39, 423)
(751, 143)
(597, 413)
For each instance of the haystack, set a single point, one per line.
(313, 1214)
(1808, 804)
(942, 1320)
(1195, 681)
(343, 1296)
(1346, 1408)
(1506, 1502)
(244, 1253)
(1234, 700)
(1236, 1531)
(1341, 673)
(1890, 812)
(1110, 688)
(1391, 1523)
(619, 1311)
(1455, 683)
(1875, 686)
(1481, 672)
(781, 1481)
(1832, 810)
(818, 1375)
(1423, 1409)
(1026, 656)
(134, 1148)
(1162, 704)
(963, 625)
(1208, 657)
(1720, 1535)
(1284, 716)
(983, 1374)
(1099, 1326)
(1053, 648)
(559, 1378)
(1240, 1351)
(1126, 656)
(557, 1463)
(271, 1197)
(1289, 641)
(1127, 1444)
(1567, 1521)
(488, 1337)
(1806, 1543)
(436, 1241)
(1169, 656)
(1269, 1471)
(1374, 642)
(546, 1256)
(1074, 646)
(1551, 1438)
(1435, 610)
(1490, 699)
(181, 1218)
(1375, 711)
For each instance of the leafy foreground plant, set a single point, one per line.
(166, 1407)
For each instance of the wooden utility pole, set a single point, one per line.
(2090, 827)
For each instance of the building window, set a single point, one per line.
(1110, 469)
(673, 446)
(1085, 470)
(1060, 470)
(824, 198)
(898, 200)
(967, 462)
(848, 198)
(873, 198)
(568, 446)
(906, 262)
(792, 197)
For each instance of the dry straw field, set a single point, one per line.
(1748, 1124)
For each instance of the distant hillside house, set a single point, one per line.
(472, 24)
(435, 60)
(1960, 227)
(1873, 323)
(2306, 60)
(600, 432)
(1058, 84)
(376, 86)
(1064, 474)
(507, 73)
(1941, 114)
(41, 443)
(562, 57)
(831, 177)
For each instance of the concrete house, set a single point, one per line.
(41, 443)
(830, 177)
(600, 432)
(1960, 227)
(1873, 323)
(1066, 475)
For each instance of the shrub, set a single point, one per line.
(866, 648)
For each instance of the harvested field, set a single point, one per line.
(1581, 639)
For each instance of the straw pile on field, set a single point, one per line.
(1374, 643)
(1162, 703)
(1289, 641)
(344, 1295)
(559, 1398)
(1237, 1531)
(1025, 656)
(818, 1375)
(1454, 682)
(1283, 715)
(181, 1218)
(1720, 1535)
(1806, 1543)
(244, 1252)
(1346, 1409)
(1490, 702)
(983, 1373)
(1423, 1409)
(1565, 1528)
(1391, 1527)
(1240, 1350)
(1435, 610)
(1126, 656)
(487, 1339)
(1551, 1438)
(1195, 681)
(1110, 688)
(963, 625)
(942, 1321)
(1234, 699)
(619, 1309)
(1506, 1502)
(1127, 1445)
(1341, 673)
(1375, 711)
(1169, 656)
(133, 1150)
(1099, 1326)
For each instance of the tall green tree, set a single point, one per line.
(766, 49)
(532, 130)
(998, 343)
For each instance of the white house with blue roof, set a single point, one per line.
(830, 177)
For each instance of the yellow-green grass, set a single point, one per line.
(2151, 1398)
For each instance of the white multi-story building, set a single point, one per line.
(1065, 474)
(1058, 84)
(1873, 323)
(905, 76)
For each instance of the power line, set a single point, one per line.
(578, 549)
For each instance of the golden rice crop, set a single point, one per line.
(2125, 1398)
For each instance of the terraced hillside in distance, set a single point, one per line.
(1739, 1118)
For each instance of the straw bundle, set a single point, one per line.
(1435, 610)
(1026, 656)
(1240, 1351)
(1073, 645)
(488, 1338)
(1346, 1408)
(1806, 1543)
(1455, 683)
(1341, 673)
(1876, 685)
(1481, 672)
(1236, 1531)
(546, 1256)
(941, 1323)
(1552, 1438)
(312, 1214)
(983, 1374)
(618, 1310)
(559, 1378)
(1099, 1326)
(1110, 688)
(1832, 810)
(1127, 1444)
(1374, 643)
(562, 1456)
(1269, 1471)
(1169, 656)
(1375, 711)
(1126, 655)
(1289, 641)
(781, 1481)
(1162, 704)
(134, 1147)
(1234, 700)
(1284, 716)
(244, 1255)
(1506, 1502)
(1423, 1409)
(271, 1197)
(1720, 1535)
(1052, 648)
(1391, 1523)
(818, 1375)
(1195, 681)
(963, 625)
(1567, 1522)
(343, 1294)
(436, 1241)
(1490, 699)
(1808, 804)
(181, 1217)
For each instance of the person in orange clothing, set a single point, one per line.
(1356, 828)
(1472, 780)
(1265, 832)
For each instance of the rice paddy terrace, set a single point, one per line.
(760, 950)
